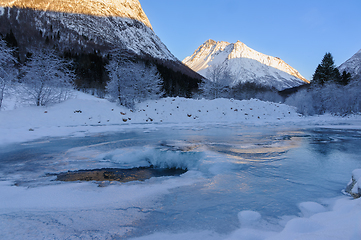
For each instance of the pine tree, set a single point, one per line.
(326, 72)
(345, 78)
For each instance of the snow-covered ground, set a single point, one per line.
(85, 115)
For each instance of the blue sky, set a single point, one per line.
(299, 32)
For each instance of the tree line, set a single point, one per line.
(44, 77)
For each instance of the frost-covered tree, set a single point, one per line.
(47, 78)
(219, 78)
(331, 98)
(132, 82)
(7, 69)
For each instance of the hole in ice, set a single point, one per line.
(118, 174)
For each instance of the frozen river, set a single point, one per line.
(224, 170)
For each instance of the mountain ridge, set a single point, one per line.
(238, 50)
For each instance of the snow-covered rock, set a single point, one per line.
(354, 187)
(246, 64)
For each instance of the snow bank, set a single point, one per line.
(341, 221)
(88, 114)
(58, 211)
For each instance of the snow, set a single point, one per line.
(245, 63)
(352, 65)
(342, 221)
(85, 114)
(81, 114)
(356, 176)
(75, 202)
(87, 30)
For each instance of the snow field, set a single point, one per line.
(80, 116)
(75, 210)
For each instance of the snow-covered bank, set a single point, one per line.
(342, 221)
(86, 114)
(28, 213)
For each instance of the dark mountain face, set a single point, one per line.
(89, 41)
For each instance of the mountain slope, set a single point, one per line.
(352, 65)
(246, 64)
(89, 32)
(80, 32)
(103, 8)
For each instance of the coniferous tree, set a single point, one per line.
(345, 78)
(326, 72)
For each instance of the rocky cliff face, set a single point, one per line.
(246, 64)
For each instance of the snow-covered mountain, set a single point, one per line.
(352, 65)
(90, 33)
(103, 8)
(82, 26)
(246, 64)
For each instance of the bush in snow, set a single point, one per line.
(329, 92)
(7, 69)
(219, 77)
(47, 78)
(132, 81)
(329, 98)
